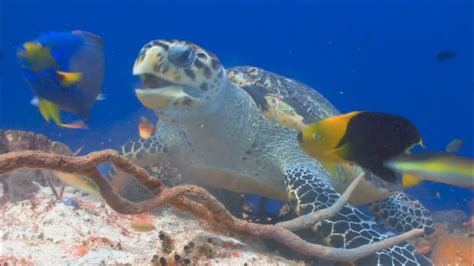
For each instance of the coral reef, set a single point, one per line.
(46, 231)
(22, 184)
(454, 249)
(449, 227)
(193, 199)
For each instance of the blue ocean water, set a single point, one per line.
(368, 55)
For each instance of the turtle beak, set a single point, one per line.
(157, 92)
(159, 99)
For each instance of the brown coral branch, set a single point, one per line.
(187, 197)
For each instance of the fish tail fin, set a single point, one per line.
(49, 111)
(410, 181)
(79, 124)
(69, 79)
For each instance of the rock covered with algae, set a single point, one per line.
(22, 184)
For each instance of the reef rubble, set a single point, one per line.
(43, 231)
(25, 219)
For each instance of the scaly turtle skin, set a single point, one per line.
(218, 133)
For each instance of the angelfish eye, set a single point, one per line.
(180, 55)
(317, 136)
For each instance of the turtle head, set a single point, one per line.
(179, 79)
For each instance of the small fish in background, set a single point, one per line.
(454, 146)
(65, 70)
(145, 128)
(445, 55)
(365, 138)
(409, 180)
(142, 223)
(439, 167)
(78, 181)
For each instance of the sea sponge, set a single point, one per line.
(454, 249)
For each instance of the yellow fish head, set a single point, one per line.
(37, 56)
(321, 139)
(313, 140)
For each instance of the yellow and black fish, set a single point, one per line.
(65, 70)
(365, 138)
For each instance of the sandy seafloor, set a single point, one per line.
(80, 229)
(43, 231)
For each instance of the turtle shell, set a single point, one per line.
(283, 100)
(295, 105)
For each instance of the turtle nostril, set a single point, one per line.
(181, 56)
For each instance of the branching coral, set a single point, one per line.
(195, 200)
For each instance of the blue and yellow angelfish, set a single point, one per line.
(65, 70)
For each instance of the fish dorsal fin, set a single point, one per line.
(49, 111)
(69, 79)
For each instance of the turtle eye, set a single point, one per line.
(181, 56)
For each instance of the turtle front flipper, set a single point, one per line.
(154, 151)
(309, 190)
(144, 153)
(402, 213)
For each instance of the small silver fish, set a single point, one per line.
(454, 146)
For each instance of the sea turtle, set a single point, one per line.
(237, 130)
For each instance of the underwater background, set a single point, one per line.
(364, 55)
